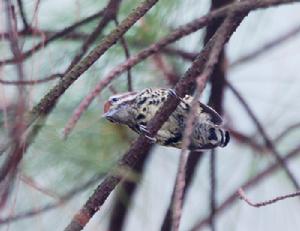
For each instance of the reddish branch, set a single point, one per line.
(243, 196)
(232, 198)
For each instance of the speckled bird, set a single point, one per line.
(136, 109)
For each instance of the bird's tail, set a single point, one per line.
(225, 137)
(218, 136)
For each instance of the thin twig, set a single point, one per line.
(127, 55)
(23, 15)
(243, 196)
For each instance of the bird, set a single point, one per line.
(136, 108)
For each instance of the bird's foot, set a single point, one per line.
(173, 93)
(146, 133)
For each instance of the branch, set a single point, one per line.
(127, 55)
(243, 196)
(23, 16)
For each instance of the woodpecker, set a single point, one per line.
(136, 109)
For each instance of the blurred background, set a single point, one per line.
(261, 62)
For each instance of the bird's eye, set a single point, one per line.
(114, 99)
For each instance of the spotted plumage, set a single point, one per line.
(136, 109)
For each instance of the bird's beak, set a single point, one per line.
(107, 106)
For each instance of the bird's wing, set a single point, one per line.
(214, 116)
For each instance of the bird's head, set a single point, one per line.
(117, 108)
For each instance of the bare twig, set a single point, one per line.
(127, 55)
(243, 196)
(23, 16)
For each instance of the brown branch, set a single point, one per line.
(243, 196)
(269, 144)
(232, 198)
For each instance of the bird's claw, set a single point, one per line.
(152, 139)
(146, 133)
(173, 93)
(144, 129)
